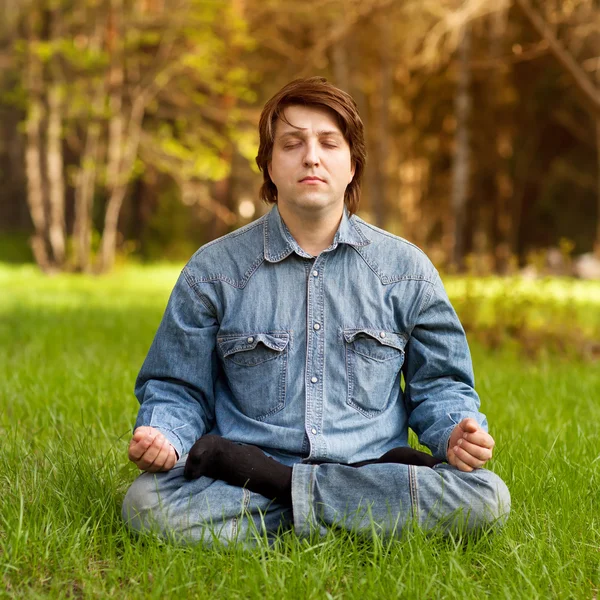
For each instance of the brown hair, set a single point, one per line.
(313, 91)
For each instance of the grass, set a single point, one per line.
(70, 348)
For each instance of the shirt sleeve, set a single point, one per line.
(438, 372)
(176, 382)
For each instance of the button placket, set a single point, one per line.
(314, 360)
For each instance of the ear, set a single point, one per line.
(352, 171)
(269, 170)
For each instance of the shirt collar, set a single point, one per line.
(279, 242)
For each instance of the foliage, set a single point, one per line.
(110, 90)
(202, 70)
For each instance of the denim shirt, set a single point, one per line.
(304, 356)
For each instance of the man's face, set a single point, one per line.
(310, 164)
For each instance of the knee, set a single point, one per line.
(141, 502)
(493, 507)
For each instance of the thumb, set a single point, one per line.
(140, 433)
(469, 425)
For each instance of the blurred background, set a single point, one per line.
(128, 128)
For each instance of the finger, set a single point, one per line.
(479, 452)
(161, 458)
(467, 458)
(151, 453)
(480, 438)
(469, 425)
(141, 432)
(459, 464)
(171, 460)
(137, 448)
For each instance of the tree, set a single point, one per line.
(121, 64)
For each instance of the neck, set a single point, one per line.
(313, 232)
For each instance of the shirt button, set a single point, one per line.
(314, 431)
(250, 340)
(314, 379)
(315, 273)
(382, 334)
(316, 327)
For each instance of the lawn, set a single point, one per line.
(70, 348)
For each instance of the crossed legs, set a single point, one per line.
(308, 497)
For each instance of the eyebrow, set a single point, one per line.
(300, 134)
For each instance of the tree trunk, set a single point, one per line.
(461, 167)
(114, 169)
(84, 190)
(56, 184)
(86, 180)
(33, 151)
(118, 184)
(339, 56)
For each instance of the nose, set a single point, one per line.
(311, 156)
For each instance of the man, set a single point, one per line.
(271, 396)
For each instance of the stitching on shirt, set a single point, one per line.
(321, 352)
(426, 298)
(267, 249)
(205, 301)
(282, 355)
(308, 391)
(389, 235)
(372, 328)
(354, 221)
(387, 279)
(239, 284)
(279, 333)
(349, 371)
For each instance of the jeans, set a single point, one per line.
(389, 497)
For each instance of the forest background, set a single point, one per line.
(128, 128)
(128, 131)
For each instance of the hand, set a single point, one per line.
(469, 447)
(151, 451)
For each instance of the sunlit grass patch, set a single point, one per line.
(538, 303)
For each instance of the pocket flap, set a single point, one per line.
(385, 338)
(241, 343)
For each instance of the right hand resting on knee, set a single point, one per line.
(150, 451)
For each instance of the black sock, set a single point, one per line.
(248, 466)
(403, 455)
(240, 465)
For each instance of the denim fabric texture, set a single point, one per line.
(304, 356)
(301, 356)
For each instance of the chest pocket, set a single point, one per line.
(255, 365)
(374, 358)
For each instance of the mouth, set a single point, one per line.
(312, 180)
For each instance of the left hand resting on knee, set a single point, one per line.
(469, 447)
